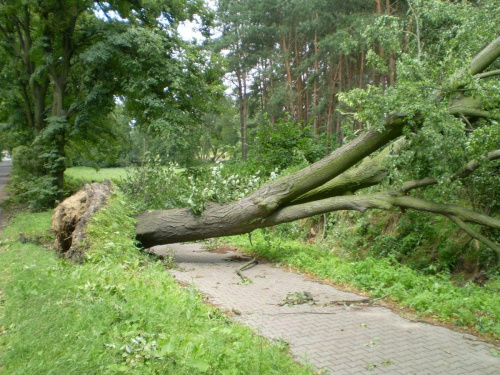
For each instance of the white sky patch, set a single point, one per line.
(188, 30)
(109, 15)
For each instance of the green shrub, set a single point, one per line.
(31, 183)
(285, 144)
(154, 185)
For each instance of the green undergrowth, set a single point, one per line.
(470, 305)
(424, 242)
(119, 312)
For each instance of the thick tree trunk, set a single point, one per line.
(58, 137)
(160, 227)
(180, 225)
(322, 187)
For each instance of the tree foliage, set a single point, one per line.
(66, 63)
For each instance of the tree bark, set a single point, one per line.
(288, 76)
(315, 88)
(242, 97)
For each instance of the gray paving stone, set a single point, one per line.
(341, 339)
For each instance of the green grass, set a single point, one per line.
(119, 312)
(89, 174)
(473, 306)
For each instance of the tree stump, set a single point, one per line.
(70, 218)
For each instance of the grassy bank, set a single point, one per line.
(436, 296)
(119, 312)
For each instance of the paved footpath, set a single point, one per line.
(4, 175)
(355, 339)
(4, 179)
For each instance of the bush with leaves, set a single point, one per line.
(221, 185)
(154, 185)
(30, 183)
(285, 144)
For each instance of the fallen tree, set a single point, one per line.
(329, 184)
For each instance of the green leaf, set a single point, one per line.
(166, 349)
(199, 364)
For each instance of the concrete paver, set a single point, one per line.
(340, 339)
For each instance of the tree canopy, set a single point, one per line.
(66, 64)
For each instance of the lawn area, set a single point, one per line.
(117, 313)
(89, 174)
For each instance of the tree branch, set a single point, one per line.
(384, 201)
(465, 172)
(370, 172)
(467, 106)
(444, 209)
(478, 236)
(486, 57)
(488, 74)
(286, 189)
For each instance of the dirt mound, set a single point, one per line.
(69, 220)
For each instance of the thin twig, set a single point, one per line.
(355, 302)
(253, 262)
(417, 23)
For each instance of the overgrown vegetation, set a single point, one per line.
(30, 182)
(155, 185)
(119, 312)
